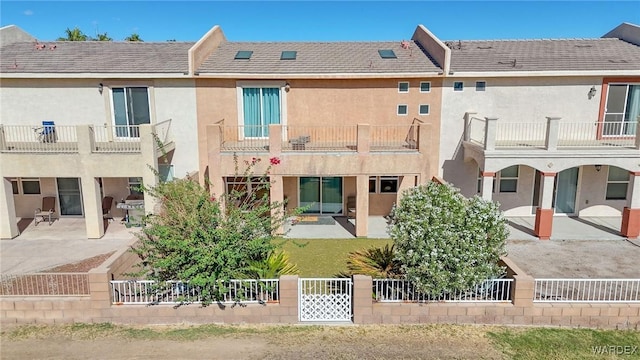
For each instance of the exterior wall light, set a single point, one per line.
(100, 88)
(598, 168)
(592, 92)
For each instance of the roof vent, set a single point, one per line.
(243, 55)
(288, 55)
(485, 47)
(387, 54)
(583, 46)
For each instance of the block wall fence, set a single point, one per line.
(97, 307)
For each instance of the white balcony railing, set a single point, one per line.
(400, 290)
(38, 139)
(553, 134)
(110, 139)
(321, 138)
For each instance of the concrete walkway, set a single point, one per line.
(568, 228)
(43, 247)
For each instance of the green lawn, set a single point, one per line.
(325, 257)
(545, 343)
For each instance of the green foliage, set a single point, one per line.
(379, 263)
(74, 34)
(195, 238)
(445, 242)
(102, 37)
(276, 264)
(133, 37)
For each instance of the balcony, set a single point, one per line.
(553, 135)
(71, 139)
(303, 139)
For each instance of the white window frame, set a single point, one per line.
(500, 177)
(21, 186)
(262, 84)
(622, 114)
(150, 102)
(616, 182)
(484, 88)
(132, 184)
(378, 184)
(398, 110)
(458, 82)
(401, 83)
(17, 181)
(420, 109)
(425, 82)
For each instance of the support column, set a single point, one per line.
(490, 133)
(92, 207)
(364, 131)
(362, 205)
(544, 213)
(276, 194)
(8, 221)
(551, 137)
(631, 214)
(487, 185)
(149, 151)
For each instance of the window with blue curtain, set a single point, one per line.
(261, 107)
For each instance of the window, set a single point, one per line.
(458, 86)
(383, 184)
(387, 54)
(425, 86)
(288, 55)
(622, 110)
(617, 183)
(481, 85)
(14, 186)
(403, 109)
(135, 184)
(403, 87)
(31, 186)
(241, 189)
(479, 186)
(260, 108)
(508, 179)
(243, 55)
(424, 109)
(130, 109)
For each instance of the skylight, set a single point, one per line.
(387, 54)
(243, 55)
(288, 55)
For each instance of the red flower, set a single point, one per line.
(213, 198)
(274, 161)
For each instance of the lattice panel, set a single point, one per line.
(325, 299)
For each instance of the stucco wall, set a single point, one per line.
(510, 100)
(78, 102)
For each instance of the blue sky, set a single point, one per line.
(320, 20)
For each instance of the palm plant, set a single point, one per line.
(275, 265)
(379, 263)
(103, 37)
(74, 35)
(133, 37)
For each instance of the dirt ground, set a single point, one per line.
(327, 342)
(576, 258)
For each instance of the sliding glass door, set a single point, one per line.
(322, 195)
(70, 196)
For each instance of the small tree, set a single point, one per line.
(194, 238)
(133, 37)
(446, 242)
(74, 34)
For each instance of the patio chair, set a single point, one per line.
(351, 207)
(46, 211)
(107, 203)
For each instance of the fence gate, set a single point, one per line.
(324, 299)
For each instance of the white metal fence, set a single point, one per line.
(393, 138)
(320, 138)
(521, 134)
(596, 134)
(109, 139)
(174, 292)
(163, 131)
(45, 284)
(476, 130)
(400, 290)
(587, 290)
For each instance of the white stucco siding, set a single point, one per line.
(529, 99)
(592, 194)
(67, 102)
(176, 100)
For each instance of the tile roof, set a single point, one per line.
(318, 58)
(95, 57)
(543, 55)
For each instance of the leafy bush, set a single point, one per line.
(446, 242)
(276, 264)
(194, 238)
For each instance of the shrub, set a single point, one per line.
(446, 242)
(379, 263)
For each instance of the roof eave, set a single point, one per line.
(318, 75)
(26, 75)
(544, 73)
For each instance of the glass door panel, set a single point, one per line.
(331, 195)
(310, 194)
(70, 196)
(566, 189)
